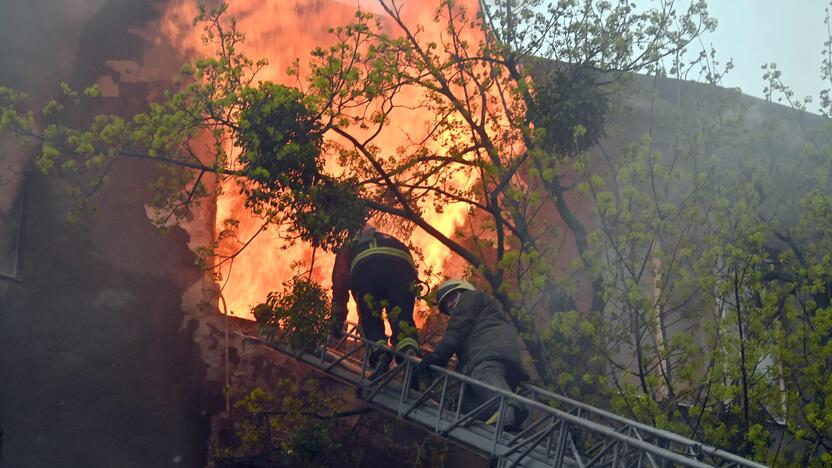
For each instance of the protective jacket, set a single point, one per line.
(380, 272)
(479, 330)
(351, 257)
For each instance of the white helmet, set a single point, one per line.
(448, 287)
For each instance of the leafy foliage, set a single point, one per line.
(569, 113)
(286, 426)
(709, 312)
(715, 281)
(297, 317)
(281, 138)
(281, 141)
(473, 90)
(303, 424)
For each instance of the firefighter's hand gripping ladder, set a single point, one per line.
(559, 431)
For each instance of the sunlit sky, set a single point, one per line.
(790, 33)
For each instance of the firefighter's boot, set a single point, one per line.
(409, 347)
(512, 419)
(380, 364)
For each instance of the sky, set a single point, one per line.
(789, 33)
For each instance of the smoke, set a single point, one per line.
(39, 43)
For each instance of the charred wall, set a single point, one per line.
(96, 366)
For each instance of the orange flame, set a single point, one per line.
(282, 32)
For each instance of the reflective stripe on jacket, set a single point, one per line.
(382, 244)
(356, 252)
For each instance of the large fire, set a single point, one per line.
(282, 32)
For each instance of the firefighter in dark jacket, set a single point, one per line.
(381, 274)
(485, 342)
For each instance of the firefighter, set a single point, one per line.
(381, 274)
(486, 343)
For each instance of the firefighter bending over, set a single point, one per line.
(486, 343)
(381, 274)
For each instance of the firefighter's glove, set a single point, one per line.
(439, 358)
(427, 361)
(336, 330)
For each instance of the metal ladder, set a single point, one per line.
(558, 432)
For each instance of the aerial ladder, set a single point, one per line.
(559, 431)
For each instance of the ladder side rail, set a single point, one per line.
(384, 384)
(597, 428)
(611, 416)
(592, 426)
(696, 447)
(405, 407)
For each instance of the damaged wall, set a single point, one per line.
(98, 366)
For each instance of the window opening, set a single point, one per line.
(11, 226)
